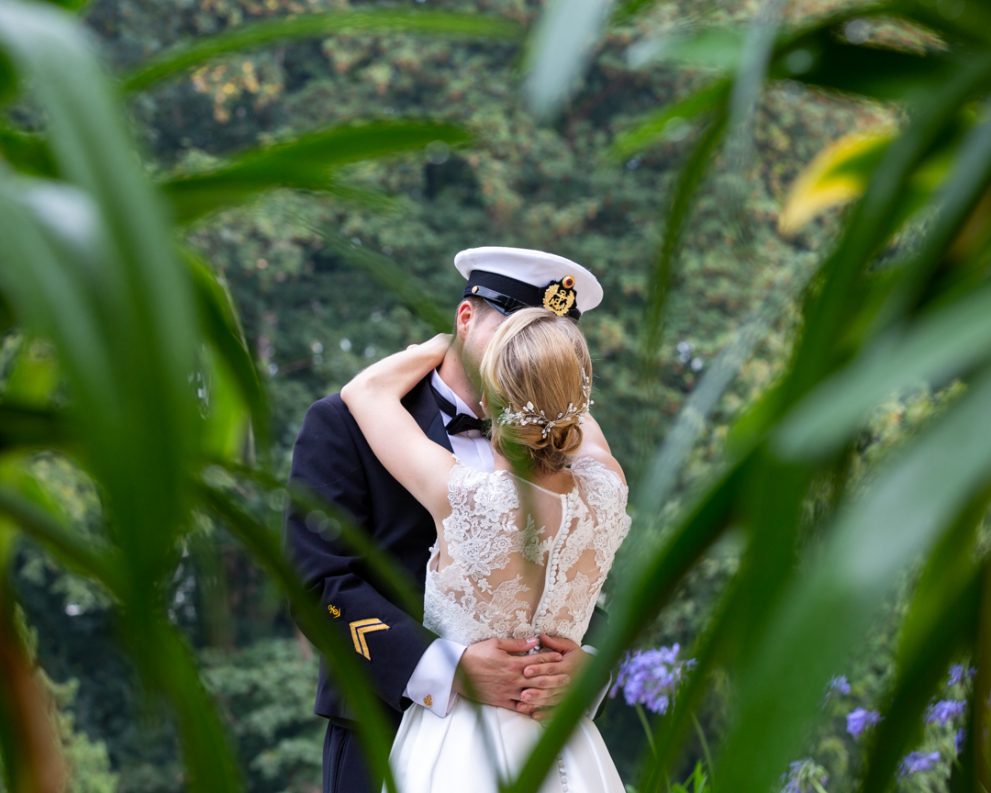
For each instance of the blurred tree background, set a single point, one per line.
(318, 298)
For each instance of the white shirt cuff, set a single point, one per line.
(432, 681)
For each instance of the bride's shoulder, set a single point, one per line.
(598, 464)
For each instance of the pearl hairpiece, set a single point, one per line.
(529, 414)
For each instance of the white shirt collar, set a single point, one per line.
(448, 393)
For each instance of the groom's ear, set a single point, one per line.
(462, 318)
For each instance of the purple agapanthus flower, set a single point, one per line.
(944, 710)
(860, 719)
(839, 685)
(650, 677)
(914, 762)
(958, 672)
(958, 740)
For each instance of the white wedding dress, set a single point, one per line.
(512, 560)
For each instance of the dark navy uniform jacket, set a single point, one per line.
(333, 459)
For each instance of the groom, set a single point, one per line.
(331, 458)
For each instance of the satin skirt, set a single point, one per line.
(476, 746)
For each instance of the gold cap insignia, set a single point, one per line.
(333, 610)
(559, 296)
(361, 627)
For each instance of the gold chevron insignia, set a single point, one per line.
(358, 630)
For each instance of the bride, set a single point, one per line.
(520, 551)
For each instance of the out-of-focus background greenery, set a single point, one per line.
(325, 282)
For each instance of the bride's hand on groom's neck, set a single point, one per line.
(491, 671)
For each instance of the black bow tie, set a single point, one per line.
(460, 422)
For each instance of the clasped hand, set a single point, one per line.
(498, 672)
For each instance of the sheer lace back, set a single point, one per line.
(515, 560)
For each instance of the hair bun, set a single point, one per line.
(565, 437)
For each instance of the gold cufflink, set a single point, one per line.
(428, 700)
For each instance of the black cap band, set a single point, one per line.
(506, 294)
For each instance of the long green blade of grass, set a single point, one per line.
(302, 163)
(378, 21)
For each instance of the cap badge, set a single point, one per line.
(559, 296)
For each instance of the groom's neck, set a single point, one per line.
(452, 372)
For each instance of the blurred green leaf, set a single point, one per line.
(69, 5)
(124, 326)
(960, 203)
(390, 275)
(364, 198)
(819, 59)
(690, 178)
(301, 163)
(708, 651)
(30, 426)
(943, 615)
(226, 423)
(559, 50)
(166, 662)
(33, 516)
(969, 23)
(827, 610)
(258, 34)
(32, 377)
(670, 121)
(718, 48)
(628, 10)
(8, 79)
(234, 362)
(29, 151)
(945, 343)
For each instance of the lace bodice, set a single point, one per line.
(513, 560)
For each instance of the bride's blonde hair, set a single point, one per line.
(535, 368)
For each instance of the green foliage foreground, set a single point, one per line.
(146, 385)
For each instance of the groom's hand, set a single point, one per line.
(491, 671)
(549, 682)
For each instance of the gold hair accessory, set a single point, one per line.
(529, 414)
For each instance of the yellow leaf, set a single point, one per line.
(838, 174)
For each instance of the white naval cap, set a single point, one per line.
(514, 278)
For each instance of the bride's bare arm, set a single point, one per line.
(373, 398)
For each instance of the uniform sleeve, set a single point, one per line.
(326, 462)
